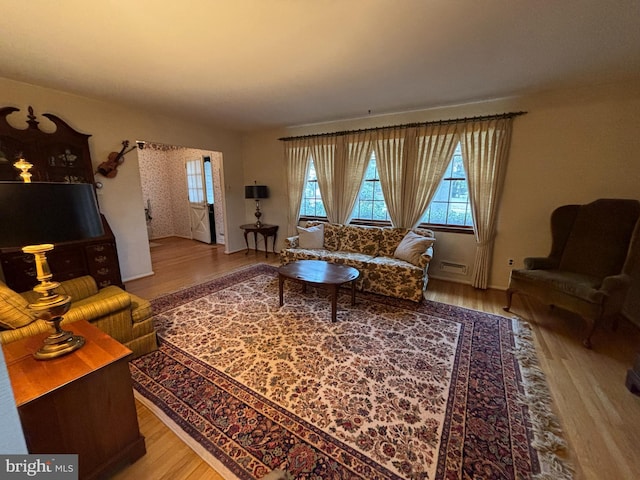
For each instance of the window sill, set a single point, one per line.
(382, 223)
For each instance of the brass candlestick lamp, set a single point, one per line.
(50, 307)
(35, 213)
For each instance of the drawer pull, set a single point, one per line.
(103, 271)
(100, 259)
(99, 248)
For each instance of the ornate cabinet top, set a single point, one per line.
(59, 156)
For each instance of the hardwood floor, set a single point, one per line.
(599, 416)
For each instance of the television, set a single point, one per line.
(41, 212)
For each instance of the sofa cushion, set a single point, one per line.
(390, 239)
(312, 237)
(360, 239)
(332, 236)
(14, 311)
(412, 247)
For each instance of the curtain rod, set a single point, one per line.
(409, 125)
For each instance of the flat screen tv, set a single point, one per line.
(39, 212)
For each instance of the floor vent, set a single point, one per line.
(452, 267)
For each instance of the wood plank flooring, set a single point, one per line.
(599, 416)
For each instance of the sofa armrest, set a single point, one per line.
(540, 263)
(425, 258)
(291, 242)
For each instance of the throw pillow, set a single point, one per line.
(412, 246)
(312, 237)
(13, 309)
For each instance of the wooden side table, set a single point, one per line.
(265, 230)
(81, 403)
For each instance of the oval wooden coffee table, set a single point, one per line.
(319, 272)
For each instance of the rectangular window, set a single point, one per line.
(312, 205)
(450, 205)
(370, 204)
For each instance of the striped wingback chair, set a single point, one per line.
(122, 315)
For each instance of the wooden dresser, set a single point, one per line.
(81, 403)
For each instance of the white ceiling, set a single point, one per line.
(249, 64)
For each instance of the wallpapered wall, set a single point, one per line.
(164, 189)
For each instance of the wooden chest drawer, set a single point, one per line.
(102, 263)
(96, 257)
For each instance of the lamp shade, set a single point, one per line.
(35, 213)
(256, 191)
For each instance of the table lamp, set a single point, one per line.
(35, 216)
(256, 192)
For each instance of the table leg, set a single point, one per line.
(266, 247)
(255, 240)
(353, 292)
(246, 241)
(280, 285)
(334, 302)
(275, 234)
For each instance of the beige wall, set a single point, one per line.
(121, 198)
(573, 146)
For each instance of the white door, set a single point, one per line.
(198, 207)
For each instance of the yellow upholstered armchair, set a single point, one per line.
(595, 249)
(122, 315)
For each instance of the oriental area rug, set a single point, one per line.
(392, 390)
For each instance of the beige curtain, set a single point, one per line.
(434, 148)
(389, 146)
(485, 148)
(323, 151)
(358, 148)
(297, 154)
(411, 163)
(340, 165)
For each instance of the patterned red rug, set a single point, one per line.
(392, 390)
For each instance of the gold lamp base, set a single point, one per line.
(58, 344)
(51, 307)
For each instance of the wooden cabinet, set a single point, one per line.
(61, 156)
(97, 257)
(80, 403)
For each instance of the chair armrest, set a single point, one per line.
(291, 242)
(615, 283)
(540, 263)
(109, 300)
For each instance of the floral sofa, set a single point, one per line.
(391, 261)
(122, 315)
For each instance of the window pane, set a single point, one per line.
(442, 194)
(456, 213)
(438, 213)
(450, 204)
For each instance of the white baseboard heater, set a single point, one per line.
(453, 267)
